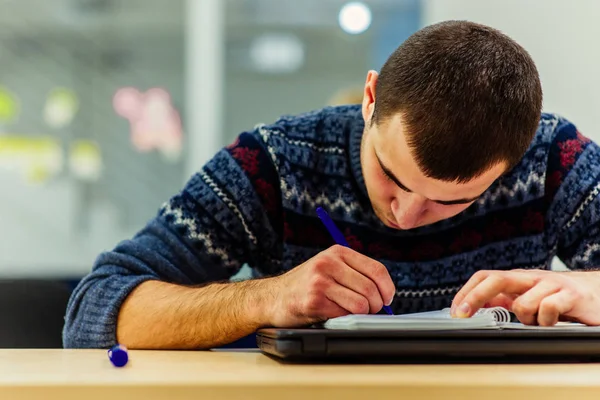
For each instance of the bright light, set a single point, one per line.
(355, 17)
(61, 107)
(9, 106)
(85, 160)
(276, 53)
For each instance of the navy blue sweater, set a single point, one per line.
(254, 203)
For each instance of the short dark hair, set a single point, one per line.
(469, 95)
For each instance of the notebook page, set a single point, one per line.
(559, 327)
(500, 314)
(429, 320)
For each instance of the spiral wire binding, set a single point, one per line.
(501, 314)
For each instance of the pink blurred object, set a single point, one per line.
(155, 123)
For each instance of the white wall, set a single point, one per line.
(561, 36)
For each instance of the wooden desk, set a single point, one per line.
(88, 375)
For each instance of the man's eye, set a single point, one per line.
(387, 176)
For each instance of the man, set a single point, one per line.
(448, 182)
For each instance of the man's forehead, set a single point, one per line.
(394, 155)
(391, 139)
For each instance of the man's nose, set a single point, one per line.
(408, 210)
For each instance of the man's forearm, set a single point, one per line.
(159, 315)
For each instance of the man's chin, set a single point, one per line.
(391, 224)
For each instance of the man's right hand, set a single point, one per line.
(336, 282)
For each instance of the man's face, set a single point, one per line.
(401, 195)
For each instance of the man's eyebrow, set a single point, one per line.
(401, 186)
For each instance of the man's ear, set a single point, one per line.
(368, 103)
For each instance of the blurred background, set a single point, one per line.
(107, 107)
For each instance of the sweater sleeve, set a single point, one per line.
(228, 214)
(573, 186)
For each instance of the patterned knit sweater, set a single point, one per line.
(254, 203)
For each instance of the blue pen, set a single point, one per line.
(118, 355)
(339, 238)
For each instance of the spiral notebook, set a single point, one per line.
(485, 318)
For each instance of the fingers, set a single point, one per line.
(467, 287)
(324, 298)
(502, 300)
(347, 299)
(359, 283)
(553, 306)
(370, 268)
(331, 309)
(534, 296)
(346, 278)
(476, 295)
(478, 277)
(526, 307)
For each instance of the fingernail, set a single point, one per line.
(463, 310)
(390, 301)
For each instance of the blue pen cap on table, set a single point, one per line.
(118, 355)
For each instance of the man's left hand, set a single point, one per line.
(536, 297)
